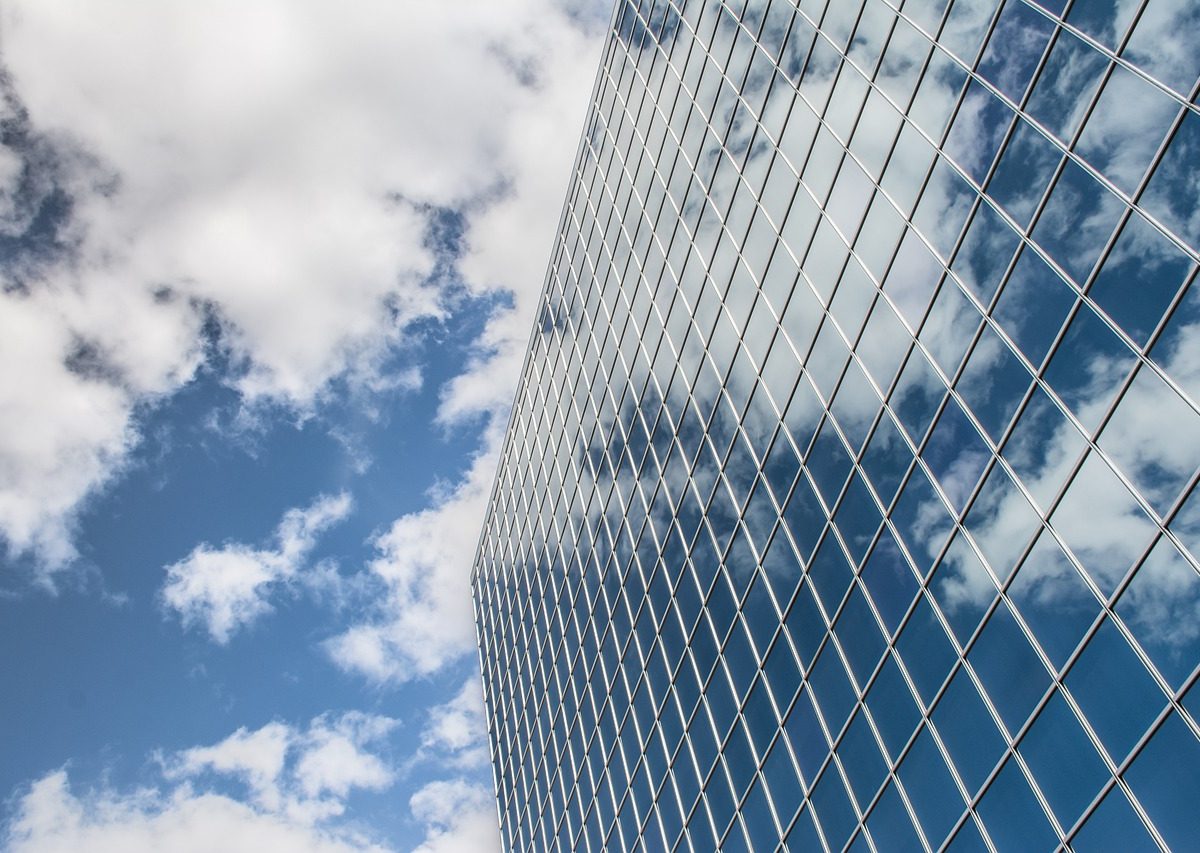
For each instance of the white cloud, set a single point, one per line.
(268, 168)
(425, 620)
(293, 797)
(226, 588)
(459, 817)
(457, 730)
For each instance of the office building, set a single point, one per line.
(848, 500)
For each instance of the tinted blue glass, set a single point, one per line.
(993, 382)
(832, 687)
(1008, 668)
(893, 707)
(1140, 277)
(1113, 826)
(833, 808)
(926, 650)
(930, 788)
(1159, 606)
(1068, 81)
(654, 617)
(1114, 690)
(1077, 221)
(1053, 599)
(967, 730)
(861, 760)
(783, 782)
(858, 633)
(1033, 306)
(890, 825)
(806, 737)
(1012, 816)
(890, 580)
(1063, 760)
(1164, 779)
(1168, 196)
(1023, 172)
(1015, 48)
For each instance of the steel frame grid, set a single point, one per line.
(935, 481)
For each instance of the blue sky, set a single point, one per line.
(268, 272)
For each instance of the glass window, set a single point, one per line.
(1153, 437)
(978, 130)
(1115, 692)
(1011, 814)
(950, 327)
(1114, 825)
(968, 732)
(1062, 759)
(944, 207)
(926, 650)
(1043, 448)
(1126, 128)
(1033, 305)
(938, 94)
(985, 252)
(1160, 606)
(852, 193)
(890, 825)
(1077, 220)
(1139, 278)
(1164, 779)
(906, 168)
(1065, 88)
(1169, 196)
(890, 580)
(993, 382)
(861, 760)
(1088, 367)
(956, 454)
(965, 28)
(930, 788)
(921, 519)
(1015, 48)
(1008, 668)
(833, 809)
(902, 62)
(963, 589)
(875, 132)
(846, 102)
(1053, 599)
(1024, 171)
(1160, 43)
(858, 633)
(886, 459)
(892, 707)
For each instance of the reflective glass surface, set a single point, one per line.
(849, 499)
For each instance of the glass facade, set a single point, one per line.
(849, 497)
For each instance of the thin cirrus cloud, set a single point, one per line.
(290, 786)
(224, 589)
(256, 181)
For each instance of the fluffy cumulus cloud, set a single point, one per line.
(457, 814)
(225, 588)
(459, 817)
(456, 730)
(424, 619)
(256, 180)
(290, 789)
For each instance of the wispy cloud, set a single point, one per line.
(424, 620)
(223, 589)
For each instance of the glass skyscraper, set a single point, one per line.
(849, 497)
